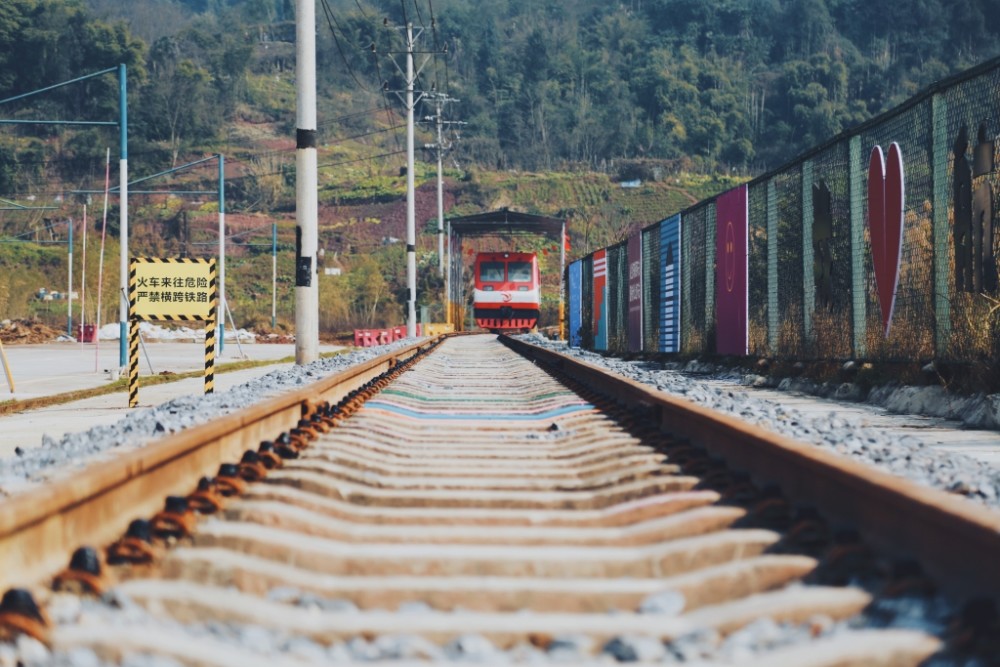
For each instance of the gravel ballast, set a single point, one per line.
(34, 465)
(899, 454)
(54, 458)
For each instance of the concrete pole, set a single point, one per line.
(440, 151)
(83, 274)
(411, 234)
(447, 282)
(69, 287)
(274, 274)
(123, 199)
(222, 253)
(562, 283)
(306, 186)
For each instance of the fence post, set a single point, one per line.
(685, 322)
(859, 291)
(939, 220)
(710, 223)
(773, 319)
(808, 277)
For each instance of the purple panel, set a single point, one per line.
(731, 272)
(635, 293)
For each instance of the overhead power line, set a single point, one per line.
(330, 20)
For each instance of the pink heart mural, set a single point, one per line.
(886, 199)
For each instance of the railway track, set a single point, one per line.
(429, 506)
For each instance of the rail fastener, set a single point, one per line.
(956, 542)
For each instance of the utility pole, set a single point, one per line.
(411, 225)
(409, 99)
(123, 259)
(306, 186)
(441, 146)
(222, 256)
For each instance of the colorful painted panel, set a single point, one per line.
(634, 250)
(575, 280)
(601, 300)
(670, 299)
(731, 218)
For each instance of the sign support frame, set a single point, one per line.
(207, 314)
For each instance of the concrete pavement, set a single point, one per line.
(57, 368)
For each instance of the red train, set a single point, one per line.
(507, 291)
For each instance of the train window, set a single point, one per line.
(519, 272)
(491, 272)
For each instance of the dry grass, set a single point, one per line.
(831, 337)
(758, 331)
(790, 331)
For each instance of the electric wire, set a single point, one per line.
(437, 48)
(350, 116)
(330, 20)
(364, 14)
(383, 85)
(416, 6)
(360, 159)
(257, 158)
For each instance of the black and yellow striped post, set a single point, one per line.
(210, 329)
(179, 289)
(133, 340)
(133, 360)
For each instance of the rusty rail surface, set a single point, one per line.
(41, 527)
(956, 541)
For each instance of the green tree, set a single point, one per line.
(180, 100)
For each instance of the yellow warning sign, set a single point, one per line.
(172, 290)
(180, 289)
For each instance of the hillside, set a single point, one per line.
(562, 102)
(362, 224)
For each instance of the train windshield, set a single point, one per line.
(491, 272)
(519, 272)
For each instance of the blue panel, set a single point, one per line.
(670, 304)
(575, 302)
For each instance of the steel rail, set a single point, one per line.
(40, 528)
(956, 542)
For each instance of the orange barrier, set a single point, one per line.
(86, 333)
(438, 328)
(371, 337)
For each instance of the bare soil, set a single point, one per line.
(24, 332)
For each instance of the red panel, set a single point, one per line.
(731, 272)
(886, 200)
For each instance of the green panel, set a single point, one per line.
(939, 216)
(773, 321)
(858, 249)
(808, 277)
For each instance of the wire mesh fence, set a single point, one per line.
(651, 287)
(695, 317)
(587, 303)
(617, 298)
(853, 252)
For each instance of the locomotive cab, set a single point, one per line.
(507, 291)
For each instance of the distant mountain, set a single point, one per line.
(542, 84)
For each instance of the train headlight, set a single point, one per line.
(522, 288)
(487, 288)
